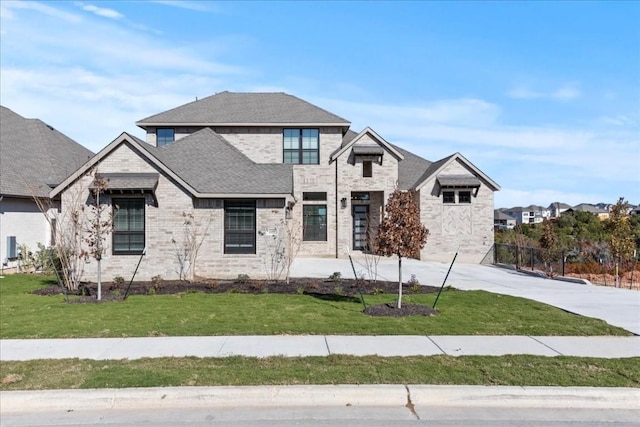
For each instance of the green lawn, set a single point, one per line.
(472, 370)
(24, 315)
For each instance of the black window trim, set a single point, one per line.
(165, 128)
(117, 202)
(227, 233)
(316, 237)
(300, 150)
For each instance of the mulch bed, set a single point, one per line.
(335, 290)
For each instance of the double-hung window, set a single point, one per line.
(128, 226)
(239, 227)
(314, 223)
(165, 136)
(301, 146)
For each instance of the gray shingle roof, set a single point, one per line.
(245, 108)
(411, 169)
(210, 164)
(34, 156)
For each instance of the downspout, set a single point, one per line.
(337, 208)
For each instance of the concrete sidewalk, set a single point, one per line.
(317, 345)
(618, 307)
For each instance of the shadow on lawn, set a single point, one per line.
(334, 297)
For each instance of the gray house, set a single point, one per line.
(253, 168)
(34, 158)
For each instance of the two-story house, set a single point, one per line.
(248, 165)
(532, 214)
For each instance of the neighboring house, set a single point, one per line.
(556, 209)
(531, 214)
(502, 221)
(601, 213)
(249, 165)
(34, 158)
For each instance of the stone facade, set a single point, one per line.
(351, 179)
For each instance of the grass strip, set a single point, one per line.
(25, 315)
(517, 370)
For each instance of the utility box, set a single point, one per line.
(12, 248)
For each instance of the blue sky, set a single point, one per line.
(544, 97)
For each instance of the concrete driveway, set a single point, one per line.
(619, 307)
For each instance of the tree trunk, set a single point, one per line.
(99, 282)
(399, 281)
(616, 275)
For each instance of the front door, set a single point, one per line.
(360, 222)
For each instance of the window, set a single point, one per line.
(128, 226)
(239, 227)
(367, 169)
(448, 197)
(308, 196)
(165, 136)
(314, 223)
(360, 196)
(301, 146)
(464, 197)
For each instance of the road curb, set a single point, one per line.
(420, 396)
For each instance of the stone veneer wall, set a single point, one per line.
(469, 226)
(350, 179)
(164, 222)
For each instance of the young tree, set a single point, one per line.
(548, 243)
(621, 242)
(400, 232)
(99, 223)
(194, 230)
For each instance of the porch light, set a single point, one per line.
(343, 202)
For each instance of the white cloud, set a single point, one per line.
(199, 6)
(100, 11)
(565, 92)
(38, 7)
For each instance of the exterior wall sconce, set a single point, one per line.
(343, 202)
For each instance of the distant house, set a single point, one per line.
(557, 208)
(502, 221)
(34, 158)
(601, 213)
(531, 214)
(252, 164)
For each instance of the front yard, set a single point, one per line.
(190, 313)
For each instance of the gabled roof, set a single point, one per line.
(410, 169)
(587, 207)
(367, 131)
(205, 165)
(441, 164)
(254, 109)
(558, 205)
(498, 214)
(34, 156)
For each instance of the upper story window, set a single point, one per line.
(301, 146)
(464, 197)
(367, 169)
(448, 197)
(128, 226)
(165, 136)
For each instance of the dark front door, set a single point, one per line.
(360, 223)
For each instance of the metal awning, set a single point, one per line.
(130, 183)
(367, 150)
(458, 181)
